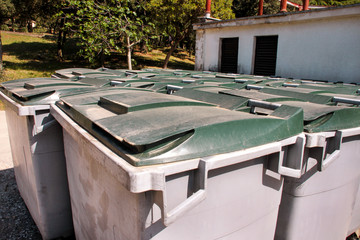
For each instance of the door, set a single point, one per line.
(229, 55)
(265, 55)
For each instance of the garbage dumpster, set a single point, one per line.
(37, 151)
(319, 205)
(145, 165)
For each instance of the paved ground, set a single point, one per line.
(15, 220)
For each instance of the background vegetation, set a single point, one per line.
(40, 36)
(101, 28)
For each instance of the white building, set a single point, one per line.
(321, 44)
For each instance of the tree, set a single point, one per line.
(174, 18)
(333, 2)
(7, 10)
(247, 8)
(222, 9)
(27, 11)
(1, 61)
(105, 26)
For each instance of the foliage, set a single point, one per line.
(247, 8)
(174, 18)
(7, 10)
(333, 2)
(222, 9)
(105, 26)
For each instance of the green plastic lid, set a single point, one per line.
(147, 128)
(39, 91)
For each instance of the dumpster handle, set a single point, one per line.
(326, 161)
(201, 177)
(299, 148)
(37, 130)
(172, 215)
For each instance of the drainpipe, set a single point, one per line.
(261, 6)
(305, 5)
(283, 6)
(208, 9)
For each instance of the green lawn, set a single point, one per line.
(34, 55)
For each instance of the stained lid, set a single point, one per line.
(221, 100)
(68, 72)
(298, 95)
(148, 128)
(36, 91)
(254, 94)
(317, 117)
(320, 118)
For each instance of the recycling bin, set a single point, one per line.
(146, 165)
(37, 151)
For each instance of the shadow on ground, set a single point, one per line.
(43, 57)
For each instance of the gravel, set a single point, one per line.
(15, 219)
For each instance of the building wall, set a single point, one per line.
(323, 47)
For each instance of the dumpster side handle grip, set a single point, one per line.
(201, 177)
(330, 159)
(37, 130)
(189, 203)
(172, 215)
(298, 149)
(326, 161)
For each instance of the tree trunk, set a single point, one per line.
(143, 47)
(61, 40)
(1, 62)
(172, 48)
(13, 24)
(129, 52)
(29, 26)
(102, 58)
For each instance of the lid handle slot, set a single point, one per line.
(253, 104)
(346, 100)
(253, 87)
(290, 85)
(172, 88)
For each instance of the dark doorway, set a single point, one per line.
(265, 55)
(229, 55)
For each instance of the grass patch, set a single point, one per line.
(27, 55)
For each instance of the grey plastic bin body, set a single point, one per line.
(233, 195)
(38, 150)
(39, 165)
(320, 204)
